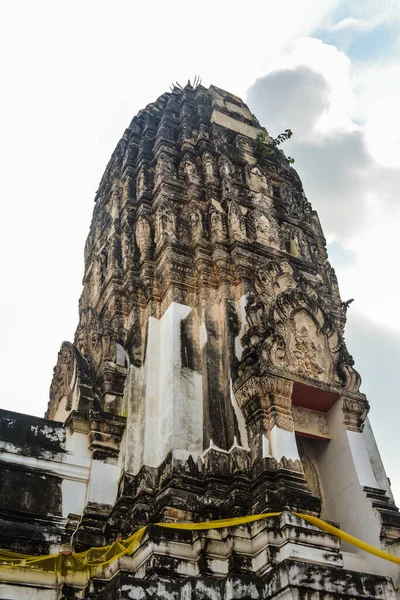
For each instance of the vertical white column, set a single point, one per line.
(283, 444)
(165, 399)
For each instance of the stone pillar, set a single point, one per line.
(266, 405)
(355, 412)
(279, 482)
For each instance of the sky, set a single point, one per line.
(73, 75)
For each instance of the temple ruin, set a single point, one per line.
(208, 379)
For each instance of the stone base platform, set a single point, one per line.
(282, 556)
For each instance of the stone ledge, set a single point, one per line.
(290, 579)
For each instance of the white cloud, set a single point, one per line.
(372, 279)
(334, 66)
(352, 23)
(378, 99)
(372, 10)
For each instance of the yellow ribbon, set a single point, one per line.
(95, 559)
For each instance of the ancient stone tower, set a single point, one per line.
(208, 379)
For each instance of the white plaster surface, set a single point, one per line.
(203, 335)
(166, 402)
(345, 499)
(233, 124)
(354, 562)
(152, 388)
(283, 444)
(103, 483)
(77, 445)
(73, 497)
(361, 459)
(62, 469)
(241, 110)
(238, 345)
(240, 419)
(266, 452)
(22, 592)
(375, 458)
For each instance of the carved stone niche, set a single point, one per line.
(195, 219)
(209, 168)
(165, 168)
(143, 236)
(355, 411)
(71, 386)
(216, 221)
(262, 228)
(164, 224)
(256, 180)
(237, 225)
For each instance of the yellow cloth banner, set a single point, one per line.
(92, 561)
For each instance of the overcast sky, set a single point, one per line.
(74, 73)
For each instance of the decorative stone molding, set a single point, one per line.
(113, 378)
(263, 387)
(266, 398)
(105, 435)
(355, 411)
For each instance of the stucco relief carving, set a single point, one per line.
(295, 241)
(226, 168)
(209, 168)
(310, 421)
(290, 329)
(331, 274)
(293, 202)
(308, 348)
(263, 229)
(237, 225)
(256, 180)
(127, 247)
(143, 235)
(310, 471)
(165, 224)
(217, 229)
(186, 133)
(189, 170)
(141, 183)
(196, 222)
(165, 168)
(107, 335)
